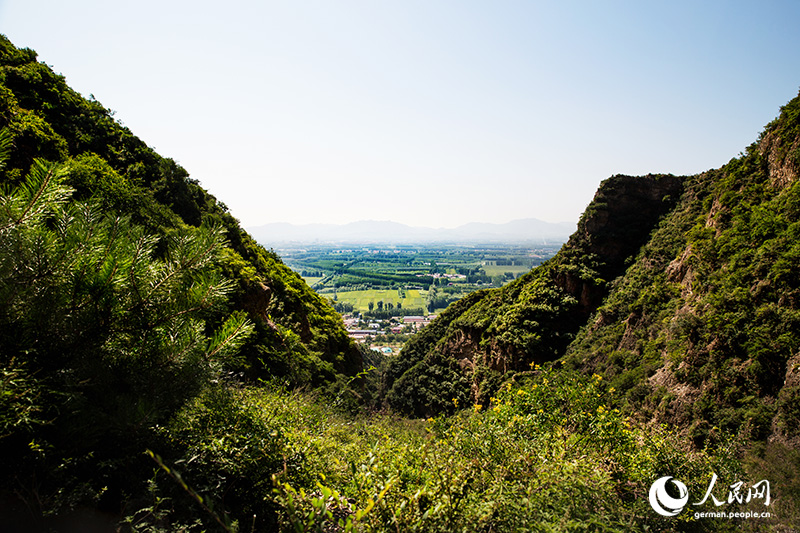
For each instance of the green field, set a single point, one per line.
(432, 276)
(498, 270)
(361, 299)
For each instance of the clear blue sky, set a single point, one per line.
(427, 112)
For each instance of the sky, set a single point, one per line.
(426, 112)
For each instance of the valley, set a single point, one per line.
(408, 279)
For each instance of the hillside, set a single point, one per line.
(126, 290)
(109, 163)
(533, 319)
(682, 292)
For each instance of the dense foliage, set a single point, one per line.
(546, 454)
(709, 311)
(681, 292)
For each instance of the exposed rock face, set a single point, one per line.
(623, 213)
(782, 158)
(256, 299)
(682, 293)
(621, 217)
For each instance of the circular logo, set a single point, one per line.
(663, 503)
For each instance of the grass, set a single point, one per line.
(549, 454)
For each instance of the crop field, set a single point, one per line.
(499, 270)
(360, 299)
(424, 276)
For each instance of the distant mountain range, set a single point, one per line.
(528, 230)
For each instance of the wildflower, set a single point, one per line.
(521, 392)
(477, 407)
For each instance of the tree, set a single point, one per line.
(102, 324)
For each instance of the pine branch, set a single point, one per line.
(230, 336)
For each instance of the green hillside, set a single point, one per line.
(126, 289)
(681, 291)
(532, 320)
(297, 336)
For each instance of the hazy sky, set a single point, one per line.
(426, 112)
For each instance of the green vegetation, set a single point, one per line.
(547, 454)
(532, 319)
(125, 291)
(681, 292)
(103, 338)
(107, 163)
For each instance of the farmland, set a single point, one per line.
(408, 279)
(360, 299)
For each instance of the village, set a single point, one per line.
(385, 336)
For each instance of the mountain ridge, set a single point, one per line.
(521, 230)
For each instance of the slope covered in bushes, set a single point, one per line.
(704, 328)
(493, 334)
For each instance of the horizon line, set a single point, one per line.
(408, 225)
